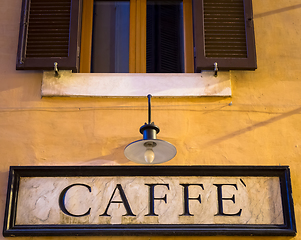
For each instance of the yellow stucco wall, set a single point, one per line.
(262, 127)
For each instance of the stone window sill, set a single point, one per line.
(69, 84)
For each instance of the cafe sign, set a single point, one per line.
(169, 200)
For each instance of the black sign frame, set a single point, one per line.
(10, 229)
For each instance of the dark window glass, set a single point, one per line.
(165, 45)
(110, 41)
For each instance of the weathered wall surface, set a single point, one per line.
(261, 127)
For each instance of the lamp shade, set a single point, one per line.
(163, 151)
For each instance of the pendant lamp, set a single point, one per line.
(150, 150)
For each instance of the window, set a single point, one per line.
(149, 22)
(50, 32)
(111, 36)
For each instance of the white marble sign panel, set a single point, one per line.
(149, 200)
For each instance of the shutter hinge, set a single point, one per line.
(250, 22)
(78, 51)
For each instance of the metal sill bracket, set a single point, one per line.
(56, 70)
(215, 69)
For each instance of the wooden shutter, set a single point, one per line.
(224, 33)
(49, 32)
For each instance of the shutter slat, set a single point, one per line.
(49, 24)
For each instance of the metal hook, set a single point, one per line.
(215, 69)
(56, 70)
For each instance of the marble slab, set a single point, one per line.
(149, 200)
(69, 84)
